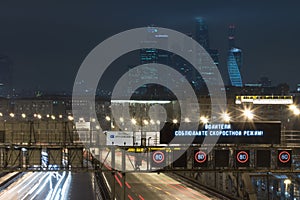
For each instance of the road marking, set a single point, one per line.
(118, 180)
(127, 184)
(119, 174)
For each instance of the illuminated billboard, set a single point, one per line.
(228, 133)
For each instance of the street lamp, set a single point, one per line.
(71, 118)
(248, 114)
(23, 115)
(145, 122)
(226, 117)
(187, 119)
(204, 119)
(133, 121)
(152, 122)
(294, 109)
(107, 118)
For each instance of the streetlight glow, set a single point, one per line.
(226, 117)
(248, 114)
(71, 118)
(187, 119)
(296, 111)
(23, 115)
(287, 181)
(175, 121)
(107, 118)
(292, 107)
(11, 114)
(133, 121)
(145, 122)
(204, 119)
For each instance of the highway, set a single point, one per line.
(39, 185)
(148, 185)
(152, 186)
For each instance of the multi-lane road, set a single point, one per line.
(39, 185)
(152, 186)
(67, 185)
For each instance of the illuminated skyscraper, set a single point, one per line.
(150, 55)
(234, 64)
(202, 37)
(202, 33)
(234, 61)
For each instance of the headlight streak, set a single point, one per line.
(28, 183)
(66, 187)
(43, 186)
(35, 186)
(55, 191)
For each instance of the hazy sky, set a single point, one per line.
(48, 40)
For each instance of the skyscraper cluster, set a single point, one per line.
(198, 81)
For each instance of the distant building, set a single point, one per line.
(202, 36)
(234, 63)
(298, 87)
(265, 82)
(5, 76)
(150, 54)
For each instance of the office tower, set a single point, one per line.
(5, 76)
(148, 53)
(202, 33)
(234, 60)
(208, 72)
(234, 64)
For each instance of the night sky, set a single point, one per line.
(48, 40)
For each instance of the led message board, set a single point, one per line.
(228, 133)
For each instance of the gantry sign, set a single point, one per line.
(41, 145)
(250, 146)
(163, 159)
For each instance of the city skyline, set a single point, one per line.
(48, 49)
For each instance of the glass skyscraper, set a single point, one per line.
(202, 33)
(234, 64)
(202, 37)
